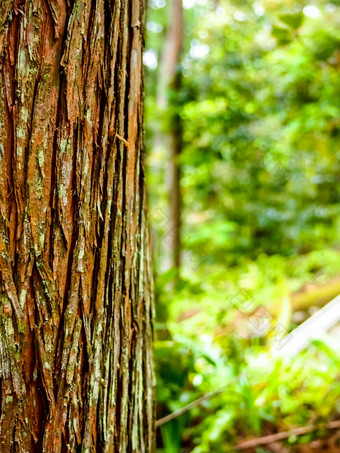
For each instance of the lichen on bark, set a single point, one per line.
(76, 303)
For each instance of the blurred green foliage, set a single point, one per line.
(260, 109)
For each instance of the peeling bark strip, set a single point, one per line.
(75, 282)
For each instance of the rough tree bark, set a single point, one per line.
(75, 283)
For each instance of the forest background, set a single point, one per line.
(243, 132)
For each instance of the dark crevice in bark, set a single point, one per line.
(13, 441)
(9, 94)
(44, 404)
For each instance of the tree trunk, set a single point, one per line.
(169, 79)
(174, 181)
(75, 282)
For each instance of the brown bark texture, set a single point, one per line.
(76, 307)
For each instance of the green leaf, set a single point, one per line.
(166, 277)
(293, 21)
(283, 35)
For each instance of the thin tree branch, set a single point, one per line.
(195, 403)
(265, 440)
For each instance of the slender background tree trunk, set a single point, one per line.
(75, 282)
(169, 80)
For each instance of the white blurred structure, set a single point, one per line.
(313, 328)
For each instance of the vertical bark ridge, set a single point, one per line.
(76, 304)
